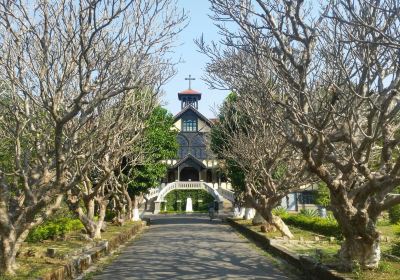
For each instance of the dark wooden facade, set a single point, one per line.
(194, 161)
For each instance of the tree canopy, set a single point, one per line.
(159, 143)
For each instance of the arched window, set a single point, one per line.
(189, 125)
(183, 146)
(198, 140)
(198, 144)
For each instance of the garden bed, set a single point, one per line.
(325, 249)
(34, 263)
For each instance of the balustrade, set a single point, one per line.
(218, 193)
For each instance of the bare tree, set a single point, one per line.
(61, 60)
(271, 167)
(111, 136)
(338, 76)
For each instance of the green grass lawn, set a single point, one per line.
(326, 252)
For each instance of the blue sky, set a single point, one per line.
(193, 62)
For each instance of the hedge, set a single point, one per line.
(54, 228)
(394, 214)
(323, 226)
(182, 195)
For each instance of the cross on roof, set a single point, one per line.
(190, 79)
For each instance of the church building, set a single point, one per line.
(194, 160)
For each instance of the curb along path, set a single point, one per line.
(79, 264)
(190, 247)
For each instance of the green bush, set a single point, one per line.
(394, 214)
(396, 249)
(309, 212)
(323, 197)
(173, 197)
(280, 211)
(110, 215)
(318, 225)
(54, 228)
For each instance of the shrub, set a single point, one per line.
(110, 215)
(396, 249)
(318, 225)
(182, 195)
(394, 214)
(54, 228)
(309, 213)
(330, 216)
(323, 196)
(280, 211)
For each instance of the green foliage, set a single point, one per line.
(159, 144)
(330, 216)
(318, 225)
(6, 146)
(384, 267)
(323, 197)
(394, 214)
(279, 172)
(173, 197)
(395, 250)
(54, 228)
(236, 175)
(309, 213)
(280, 211)
(218, 143)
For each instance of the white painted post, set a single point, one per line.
(157, 206)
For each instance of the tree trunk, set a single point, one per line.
(89, 224)
(100, 221)
(10, 244)
(367, 254)
(358, 226)
(129, 205)
(135, 213)
(8, 253)
(281, 226)
(276, 221)
(238, 212)
(249, 213)
(89, 205)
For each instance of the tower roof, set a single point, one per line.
(194, 110)
(189, 92)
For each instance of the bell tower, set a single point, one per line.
(189, 96)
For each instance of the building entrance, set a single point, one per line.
(189, 174)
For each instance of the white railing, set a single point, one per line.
(227, 194)
(217, 193)
(188, 186)
(153, 192)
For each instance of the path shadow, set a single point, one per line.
(190, 248)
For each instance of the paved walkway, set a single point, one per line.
(190, 247)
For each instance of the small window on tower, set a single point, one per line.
(189, 125)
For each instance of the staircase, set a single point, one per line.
(157, 195)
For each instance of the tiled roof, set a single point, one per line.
(214, 121)
(189, 107)
(189, 91)
(188, 157)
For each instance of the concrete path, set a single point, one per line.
(190, 247)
